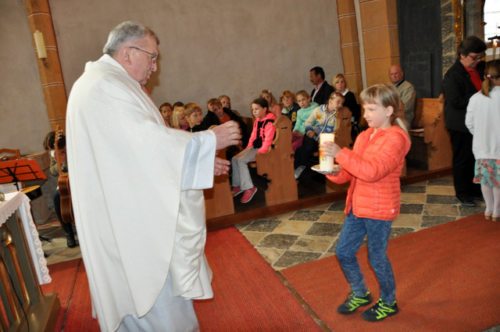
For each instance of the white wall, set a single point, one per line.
(207, 48)
(23, 116)
(211, 47)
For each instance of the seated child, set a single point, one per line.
(328, 118)
(290, 107)
(306, 107)
(260, 142)
(178, 119)
(274, 107)
(166, 110)
(194, 116)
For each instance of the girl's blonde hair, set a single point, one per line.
(491, 72)
(268, 92)
(385, 95)
(176, 114)
(339, 77)
(190, 108)
(288, 93)
(336, 94)
(302, 93)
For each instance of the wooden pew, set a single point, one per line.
(431, 146)
(218, 199)
(277, 166)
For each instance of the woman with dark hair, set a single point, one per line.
(460, 82)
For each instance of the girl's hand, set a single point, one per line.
(329, 149)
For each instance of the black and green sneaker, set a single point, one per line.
(353, 302)
(380, 311)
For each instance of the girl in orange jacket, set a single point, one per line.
(373, 168)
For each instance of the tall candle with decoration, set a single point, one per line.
(326, 162)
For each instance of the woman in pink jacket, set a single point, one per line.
(260, 141)
(373, 167)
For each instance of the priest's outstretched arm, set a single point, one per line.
(200, 163)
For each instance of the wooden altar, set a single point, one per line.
(22, 269)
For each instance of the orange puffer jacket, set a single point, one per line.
(374, 167)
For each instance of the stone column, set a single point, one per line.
(380, 37)
(39, 17)
(349, 43)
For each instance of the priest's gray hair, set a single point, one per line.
(124, 32)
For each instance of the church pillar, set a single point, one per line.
(380, 38)
(349, 43)
(39, 17)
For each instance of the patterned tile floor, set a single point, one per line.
(305, 235)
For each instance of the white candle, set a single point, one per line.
(326, 162)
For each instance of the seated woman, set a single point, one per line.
(329, 118)
(306, 107)
(340, 85)
(194, 116)
(179, 119)
(260, 142)
(274, 107)
(289, 106)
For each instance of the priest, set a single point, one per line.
(136, 189)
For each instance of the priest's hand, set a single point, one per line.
(227, 134)
(221, 166)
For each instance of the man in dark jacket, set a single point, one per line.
(322, 90)
(460, 82)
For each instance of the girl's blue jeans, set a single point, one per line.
(350, 239)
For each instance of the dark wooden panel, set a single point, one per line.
(419, 24)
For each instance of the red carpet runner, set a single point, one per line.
(447, 279)
(249, 296)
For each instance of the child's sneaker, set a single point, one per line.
(353, 302)
(380, 311)
(236, 191)
(248, 195)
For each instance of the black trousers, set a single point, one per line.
(304, 156)
(463, 164)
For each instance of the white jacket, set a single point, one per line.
(482, 119)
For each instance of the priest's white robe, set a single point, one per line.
(136, 193)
